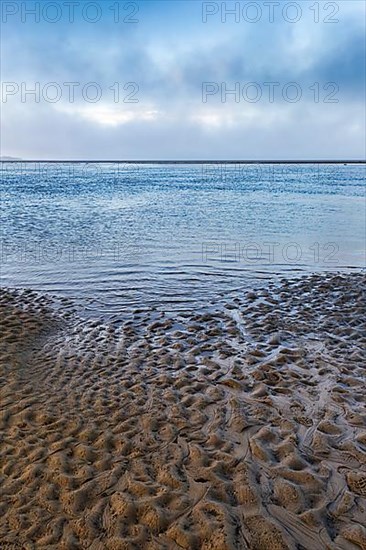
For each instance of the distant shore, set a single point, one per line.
(243, 427)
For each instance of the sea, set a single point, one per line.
(116, 237)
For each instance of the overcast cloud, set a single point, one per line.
(168, 57)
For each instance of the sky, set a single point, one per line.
(184, 80)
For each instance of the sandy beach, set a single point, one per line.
(241, 427)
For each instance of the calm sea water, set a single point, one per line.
(116, 237)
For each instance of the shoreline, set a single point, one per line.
(243, 427)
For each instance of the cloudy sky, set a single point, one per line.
(183, 79)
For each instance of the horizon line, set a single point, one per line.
(176, 161)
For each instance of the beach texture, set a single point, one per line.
(243, 427)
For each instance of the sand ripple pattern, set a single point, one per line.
(239, 428)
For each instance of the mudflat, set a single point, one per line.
(241, 427)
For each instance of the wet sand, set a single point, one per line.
(243, 427)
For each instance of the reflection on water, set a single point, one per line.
(118, 236)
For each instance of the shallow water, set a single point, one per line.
(115, 237)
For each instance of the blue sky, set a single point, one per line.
(164, 61)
